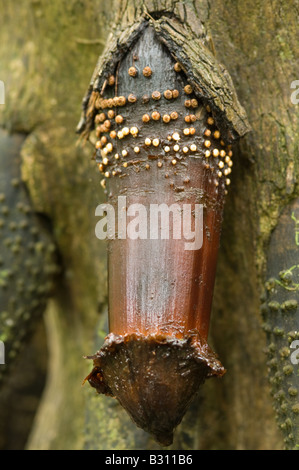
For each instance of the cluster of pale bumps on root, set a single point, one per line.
(119, 144)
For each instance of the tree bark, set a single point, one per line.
(46, 65)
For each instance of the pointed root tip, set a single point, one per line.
(165, 440)
(154, 377)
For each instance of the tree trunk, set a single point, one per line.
(46, 65)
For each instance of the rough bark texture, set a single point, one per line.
(208, 77)
(48, 51)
